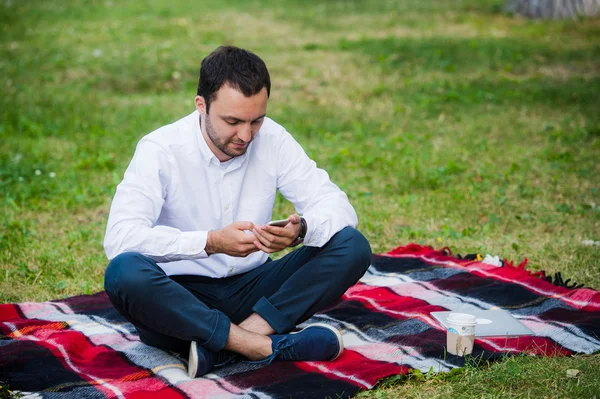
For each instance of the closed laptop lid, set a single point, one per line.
(490, 323)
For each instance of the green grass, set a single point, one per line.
(515, 377)
(447, 123)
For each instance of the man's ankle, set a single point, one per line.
(256, 324)
(248, 344)
(262, 350)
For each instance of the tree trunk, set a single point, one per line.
(554, 9)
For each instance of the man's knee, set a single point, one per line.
(123, 272)
(355, 247)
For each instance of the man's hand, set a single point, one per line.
(271, 239)
(232, 240)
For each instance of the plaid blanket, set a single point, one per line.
(80, 347)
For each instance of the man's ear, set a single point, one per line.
(200, 105)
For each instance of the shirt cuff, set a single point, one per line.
(192, 244)
(314, 233)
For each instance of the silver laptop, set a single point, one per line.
(490, 323)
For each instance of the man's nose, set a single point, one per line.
(246, 132)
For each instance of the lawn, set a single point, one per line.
(448, 123)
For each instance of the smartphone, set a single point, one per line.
(279, 223)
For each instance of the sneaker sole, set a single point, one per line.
(193, 361)
(332, 329)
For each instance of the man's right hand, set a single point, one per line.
(232, 240)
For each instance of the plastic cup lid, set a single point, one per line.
(462, 319)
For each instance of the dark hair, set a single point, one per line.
(238, 68)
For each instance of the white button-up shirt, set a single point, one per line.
(175, 190)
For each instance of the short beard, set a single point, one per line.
(221, 144)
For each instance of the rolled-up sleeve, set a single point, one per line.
(136, 207)
(324, 206)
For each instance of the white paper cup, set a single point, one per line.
(461, 333)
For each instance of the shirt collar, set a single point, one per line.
(205, 150)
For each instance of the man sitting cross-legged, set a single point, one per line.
(189, 241)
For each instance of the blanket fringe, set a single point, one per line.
(416, 249)
(558, 280)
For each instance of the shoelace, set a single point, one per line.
(224, 358)
(285, 348)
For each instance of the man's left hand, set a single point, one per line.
(272, 239)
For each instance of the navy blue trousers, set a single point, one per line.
(171, 311)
